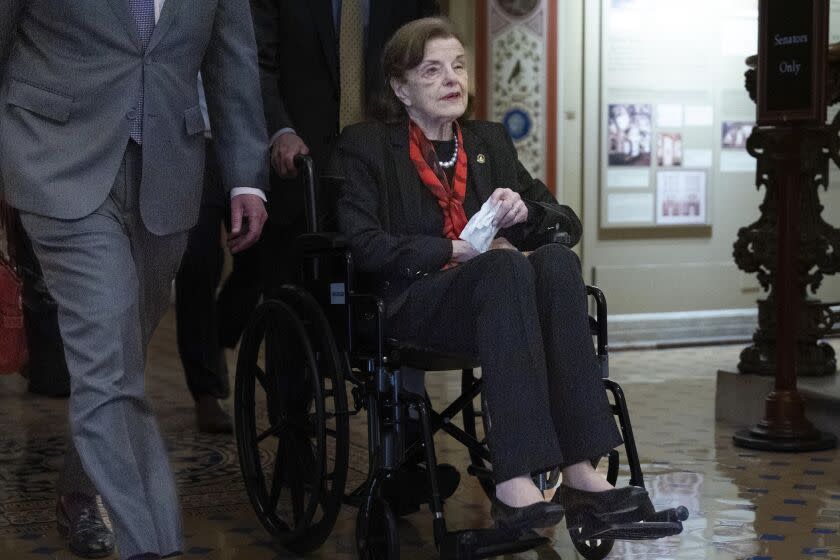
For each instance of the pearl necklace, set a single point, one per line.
(451, 161)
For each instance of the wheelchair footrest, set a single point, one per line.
(640, 530)
(633, 526)
(473, 544)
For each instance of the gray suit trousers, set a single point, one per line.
(111, 280)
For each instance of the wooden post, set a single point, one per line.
(791, 99)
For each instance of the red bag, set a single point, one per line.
(13, 350)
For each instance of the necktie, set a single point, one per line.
(143, 12)
(351, 65)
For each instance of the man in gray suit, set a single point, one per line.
(102, 151)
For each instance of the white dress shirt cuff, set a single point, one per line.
(281, 132)
(248, 190)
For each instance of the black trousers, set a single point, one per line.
(207, 323)
(526, 320)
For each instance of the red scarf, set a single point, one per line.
(450, 198)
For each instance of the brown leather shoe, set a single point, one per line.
(210, 416)
(78, 520)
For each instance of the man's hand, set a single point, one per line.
(512, 209)
(247, 217)
(502, 243)
(283, 152)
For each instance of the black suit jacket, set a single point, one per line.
(299, 71)
(392, 221)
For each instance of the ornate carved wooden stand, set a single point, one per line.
(792, 164)
(790, 246)
(818, 254)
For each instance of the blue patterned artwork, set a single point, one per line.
(518, 123)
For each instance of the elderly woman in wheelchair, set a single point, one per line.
(411, 181)
(411, 184)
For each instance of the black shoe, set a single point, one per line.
(80, 523)
(535, 516)
(608, 506)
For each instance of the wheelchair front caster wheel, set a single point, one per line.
(377, 537)
(591, 549)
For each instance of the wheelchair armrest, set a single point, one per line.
(321, 242)
(559, 225)
(561, 237)
(601, 327)
(370, 299)
(368, 307)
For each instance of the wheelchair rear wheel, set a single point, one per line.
(292, 427)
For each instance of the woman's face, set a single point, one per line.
(436, 89)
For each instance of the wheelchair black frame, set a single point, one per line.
(381, 393)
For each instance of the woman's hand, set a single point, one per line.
(512, 209)
(502, 243)
(462, 251)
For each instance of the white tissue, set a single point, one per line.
(480, 231)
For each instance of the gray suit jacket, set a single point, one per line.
(70, 74)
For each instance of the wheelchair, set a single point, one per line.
(298, 355)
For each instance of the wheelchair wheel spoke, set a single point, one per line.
(277, 478)
(272, 431)
(297, 493)
(301, 466)
(261, 377)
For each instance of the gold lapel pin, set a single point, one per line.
(480, 158)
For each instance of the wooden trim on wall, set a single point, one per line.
(482, 70)
(551, 178)
(654, 232)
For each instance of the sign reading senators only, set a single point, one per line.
(793, 42)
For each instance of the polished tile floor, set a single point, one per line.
(743, 504)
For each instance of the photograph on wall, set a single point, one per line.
(629, 134)
(669, 151)
(681, 197)
(734, 134)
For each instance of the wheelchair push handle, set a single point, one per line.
(306, 171)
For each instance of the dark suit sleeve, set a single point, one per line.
(543, 209)
(374, 249)
(266, 14)
(429, 8)
(234, 104)
(9, 14)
